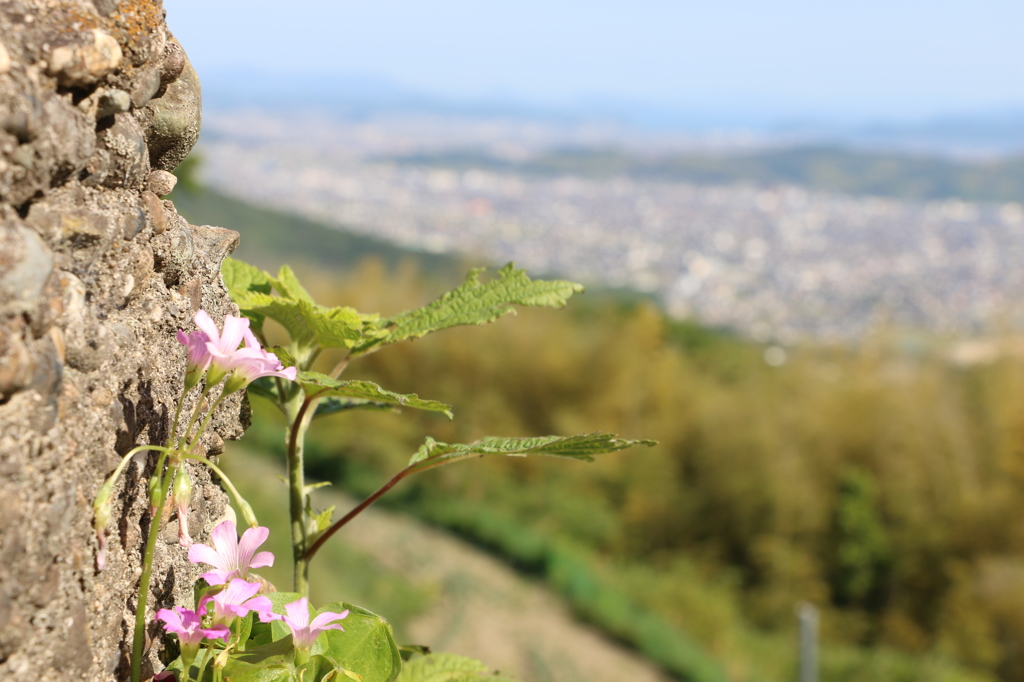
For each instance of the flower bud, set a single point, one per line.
(101, 510)
(154, 493)
(182, 497)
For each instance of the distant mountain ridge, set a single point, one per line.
(985, 132)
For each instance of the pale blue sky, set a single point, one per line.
(892, 59)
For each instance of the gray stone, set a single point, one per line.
(89, 364)
(25, 265)
(173, 120)
(132, 222)
(112, 101)
(146, 87)
(128, 164)
(173, 64)
(106, 7)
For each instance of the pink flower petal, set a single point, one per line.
(203, 554)
(262, 560)
(298, 613)
(320, 622)
(206, 323)
(251, 539)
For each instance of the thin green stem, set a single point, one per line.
(195, 415)
(147, 570)
(297, 494)
(206, 422)
(296, 498)
(208, 651)
(246, 508)
(177, 416)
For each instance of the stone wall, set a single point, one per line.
(97, 103)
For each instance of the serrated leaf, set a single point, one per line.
(307, 323)
(334, 327)
(446, 668)
(287, 284)
(582, 447)
(476, 302)
(244, 280)
(283, 355)
(321, 385)
(330, 406)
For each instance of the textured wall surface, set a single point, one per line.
(97, 103)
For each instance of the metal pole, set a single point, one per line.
(807, 614)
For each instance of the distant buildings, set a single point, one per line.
(777, 262)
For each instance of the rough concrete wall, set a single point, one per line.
(97, 103)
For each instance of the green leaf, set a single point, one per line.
(583, 447)
(271, 662)
(447, 668)
(307, 323)
(366, 647)
(242, 278)
(283, 355)
(334, 327)
(476, 302)
(287, 284)
(241, 628)
(265, 387)
(318, 669)
(330, 406)
(321, 385)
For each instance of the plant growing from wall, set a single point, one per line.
(232, 632)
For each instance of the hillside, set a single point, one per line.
(874, 480)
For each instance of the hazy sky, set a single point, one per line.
(786, 58)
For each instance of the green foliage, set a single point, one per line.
(309, 325)
(476, 303)
(862, 544)
(581, 447)
(367, 392)
(739, 514)
(447, 668)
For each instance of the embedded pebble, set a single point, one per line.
(25, 265)
(174, 62)
(112, 101)
(161, 182)
(84, 64)
(146, 87)
(5, 60)
(155, 212)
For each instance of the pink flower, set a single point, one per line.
(231, 558)
(221, 345)
(188, 626)
(236, 601)
(305, 633)
(251, 364)
(248, 363)
(198, 356)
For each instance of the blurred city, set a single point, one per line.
(801, 228)
(768, 257)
